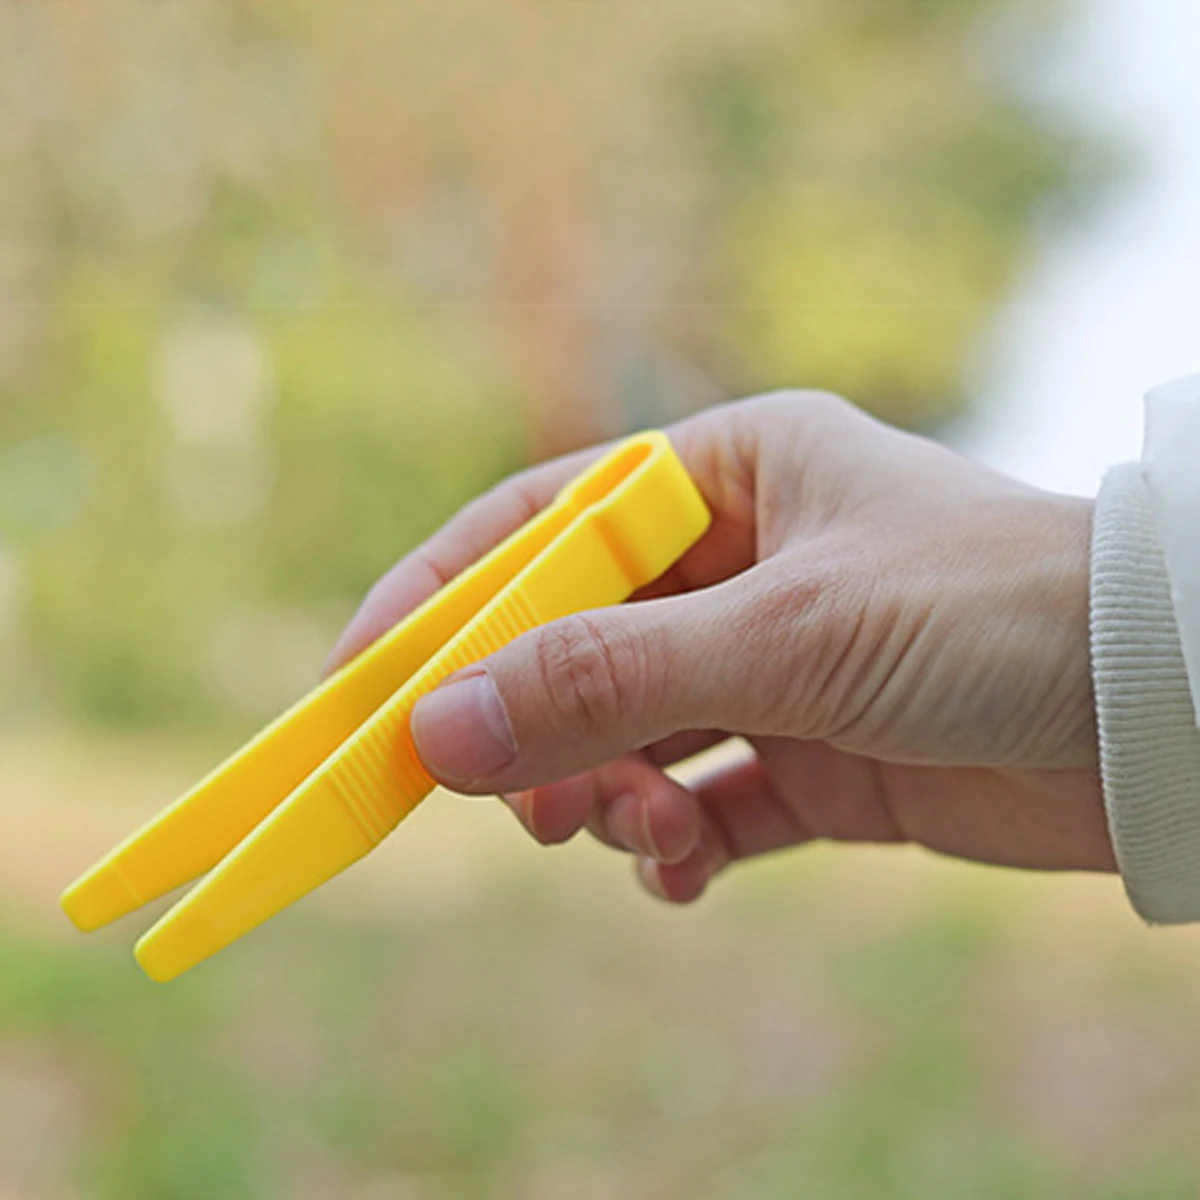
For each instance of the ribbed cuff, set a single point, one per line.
(1149, 743)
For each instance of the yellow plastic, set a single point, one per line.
(333, 776)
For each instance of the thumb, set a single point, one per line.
(584, 690)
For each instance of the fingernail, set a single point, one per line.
(647, 871)
(648, 833)
(462, 731)
(521, 804)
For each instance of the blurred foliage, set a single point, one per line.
(279, 289)
(537, 1042)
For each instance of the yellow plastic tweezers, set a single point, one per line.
(331, 778)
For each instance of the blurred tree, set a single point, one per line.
(279, 289)
(732, 195)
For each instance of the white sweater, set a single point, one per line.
(1146, 657)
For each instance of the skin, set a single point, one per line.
(900, 636)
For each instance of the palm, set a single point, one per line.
(1008, 817)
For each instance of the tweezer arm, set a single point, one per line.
(198, 830)
(335, 774)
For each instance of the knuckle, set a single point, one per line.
(810, 404)
(506, 505)
(518, 492)
(588, 675)
(779, 430)
(805, 624)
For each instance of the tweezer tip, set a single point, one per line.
(179, 941)
(99, 897)
(160, 966)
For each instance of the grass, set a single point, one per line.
(514, 1023)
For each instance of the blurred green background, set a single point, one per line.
(281, 285)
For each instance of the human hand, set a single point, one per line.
(900, 636)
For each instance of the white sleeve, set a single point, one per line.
(1146, 657)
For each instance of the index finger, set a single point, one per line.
(708, 447)
(466, 537)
